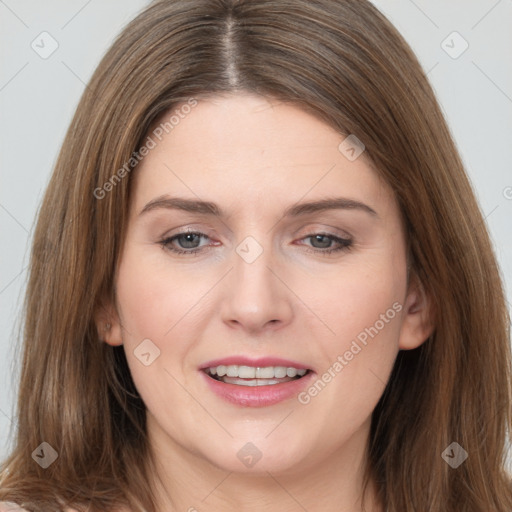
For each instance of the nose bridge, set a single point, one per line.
(256, 297)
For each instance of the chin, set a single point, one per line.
(259, 457)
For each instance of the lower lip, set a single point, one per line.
(258, 396)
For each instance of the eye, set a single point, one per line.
(187, 242)
(325, 243)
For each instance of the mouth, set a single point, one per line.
(252, 376)
(256, 382)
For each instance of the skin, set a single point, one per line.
(255, 157)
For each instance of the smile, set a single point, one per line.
(254, 376)
(264, 387)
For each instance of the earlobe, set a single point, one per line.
(108, 325)
(417, 322)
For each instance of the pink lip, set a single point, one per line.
(261, 362)
(258, 396)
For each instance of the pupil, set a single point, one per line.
(188, 243)
(326, 241)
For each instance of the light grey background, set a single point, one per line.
(38, 97)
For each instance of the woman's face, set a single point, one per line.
(271, 275)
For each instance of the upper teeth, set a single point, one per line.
(251, 372)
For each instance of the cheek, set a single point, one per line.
(364, 309)
(153, 304)
(362, 303)
(162, 304)
(152, 298)
(356, 297)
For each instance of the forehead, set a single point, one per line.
(243, 144)
(244, 123)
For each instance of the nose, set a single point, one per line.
(257, 297)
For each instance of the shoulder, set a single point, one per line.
(7, 506)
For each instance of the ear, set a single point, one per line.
(417, 321)
(108, 323)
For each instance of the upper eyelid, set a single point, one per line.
(343, 238)
(338, 232)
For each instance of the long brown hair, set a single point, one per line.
(342, 61)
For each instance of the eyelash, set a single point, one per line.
(345, 244)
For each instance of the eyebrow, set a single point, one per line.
(209, 208)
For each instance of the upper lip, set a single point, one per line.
(260, 362)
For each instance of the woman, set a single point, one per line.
(260, 280)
